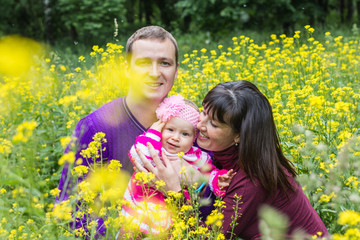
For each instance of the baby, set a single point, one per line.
(174, 133)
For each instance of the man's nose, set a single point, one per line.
(154, 71)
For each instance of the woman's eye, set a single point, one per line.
(213, 124)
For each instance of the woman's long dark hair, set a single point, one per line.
(247, 111)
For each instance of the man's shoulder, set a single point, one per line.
(107, 113)
(111, 107)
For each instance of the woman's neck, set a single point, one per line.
(228, 158)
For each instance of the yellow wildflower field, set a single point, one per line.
(313, 87)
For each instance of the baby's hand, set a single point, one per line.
(225, 179)
(158, 125)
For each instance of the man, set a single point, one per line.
(152, 67)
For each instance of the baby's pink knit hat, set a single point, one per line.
(175, 106)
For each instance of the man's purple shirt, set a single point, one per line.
(121, 129)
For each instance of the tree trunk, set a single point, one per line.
(350, 11)
(148, 11)
(358, 11)
(342, 8)
(49, 34)
(130, 11)
(324, 10)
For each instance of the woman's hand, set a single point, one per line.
(188, 174)
(163, 170)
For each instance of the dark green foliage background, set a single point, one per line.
(90, 22)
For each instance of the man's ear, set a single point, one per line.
(177, 71)
(127, 69)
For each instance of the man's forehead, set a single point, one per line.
(153, 48)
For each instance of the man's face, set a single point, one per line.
(152, 68)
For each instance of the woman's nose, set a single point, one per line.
(200, 124)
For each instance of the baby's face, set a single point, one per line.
(177, 135)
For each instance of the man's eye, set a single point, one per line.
(165, 63)
(143, 62)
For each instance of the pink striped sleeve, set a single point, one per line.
(151, 136)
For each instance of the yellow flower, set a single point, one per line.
(327, 198)
(349, 217)
(55, 192)
(5, 146)
(18, 54)
(144, 177)
(81, 59)
(62, 211)
(110, 185)
(64, 141)
(180, 154)
(218, 203)
(114, 166)
(24, 131)
(80, 170)
(67, 157)
(159, 184)
(215, 218)
(220, 237)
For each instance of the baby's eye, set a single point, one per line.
(170, 129)
(186, 134)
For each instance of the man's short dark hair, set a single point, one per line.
(151, 32)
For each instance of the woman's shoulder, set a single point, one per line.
(242, 184)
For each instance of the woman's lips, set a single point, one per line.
(203, 136)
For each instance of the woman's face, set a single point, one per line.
(213, 135)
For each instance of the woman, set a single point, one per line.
(238, 127)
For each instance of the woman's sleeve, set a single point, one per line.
(242, 201)
(151, 136)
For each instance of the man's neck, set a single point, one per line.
(143, 110)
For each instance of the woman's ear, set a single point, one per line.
(237, 139)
